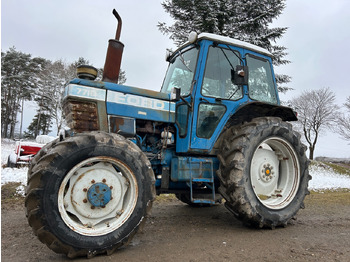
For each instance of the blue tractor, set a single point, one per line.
(216, 130)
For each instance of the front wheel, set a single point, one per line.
(89, 194)
(263, 172)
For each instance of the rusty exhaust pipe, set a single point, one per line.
(114, 55)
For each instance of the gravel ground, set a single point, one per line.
(177, 232)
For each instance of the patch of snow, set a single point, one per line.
(44, 139)
(325, 178)
(7, 147)
(9, 174)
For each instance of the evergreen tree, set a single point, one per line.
(40, 125)
(246, 20)
(18, 80)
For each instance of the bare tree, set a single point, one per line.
(316, 111)
(343, 122)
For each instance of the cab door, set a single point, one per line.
(216, 96)
(183, 73)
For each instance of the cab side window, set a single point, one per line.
(217, 76)
(261, 85)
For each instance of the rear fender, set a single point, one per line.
(252, 110)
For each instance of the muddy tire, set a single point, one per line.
(89, 194)
(263, 172)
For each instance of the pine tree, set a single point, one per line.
(246, 20)
(18, 81)
(40, 125)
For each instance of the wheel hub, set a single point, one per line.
(99, 195)
(96, 195)
(267, 172)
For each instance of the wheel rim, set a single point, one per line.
(275, 173)
(97, 196)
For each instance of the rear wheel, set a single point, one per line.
(89, 194)
(263, 172)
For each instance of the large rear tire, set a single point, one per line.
(89, 194)
(263, 172)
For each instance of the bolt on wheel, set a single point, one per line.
(275, 174)
(97, 196)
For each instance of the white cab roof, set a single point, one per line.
(234, 42)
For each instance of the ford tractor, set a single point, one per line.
(215, 131)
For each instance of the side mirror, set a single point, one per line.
(240, 75)
(175, 94)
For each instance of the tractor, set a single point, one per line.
(215, 132)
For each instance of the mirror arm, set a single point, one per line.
(188, 104)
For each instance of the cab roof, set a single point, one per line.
(234, 42)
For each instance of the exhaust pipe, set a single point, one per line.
(114, 55)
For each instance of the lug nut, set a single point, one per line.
(104, 180)
(85, 189)
(92, 207)
(111, 187)
(85, 200)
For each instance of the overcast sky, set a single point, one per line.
(317, 40)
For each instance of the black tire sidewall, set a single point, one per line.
(57, 171)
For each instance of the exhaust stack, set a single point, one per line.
(114, 55)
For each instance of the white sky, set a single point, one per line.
(317, 40)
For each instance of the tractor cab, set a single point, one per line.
(216, 77)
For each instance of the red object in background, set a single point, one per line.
(24, 152)
(28, 149)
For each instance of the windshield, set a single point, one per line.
(181, 71)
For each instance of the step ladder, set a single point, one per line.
(200, 178)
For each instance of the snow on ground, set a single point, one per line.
(322, 177)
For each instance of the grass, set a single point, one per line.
(165, 198)
(10, 195)
(329, 197)
(338, 168)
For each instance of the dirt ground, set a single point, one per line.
(177, 232)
